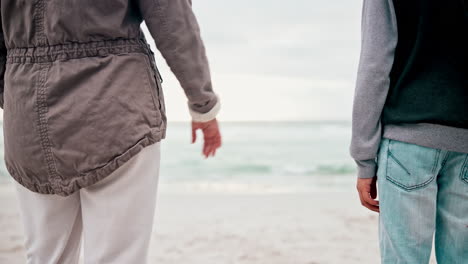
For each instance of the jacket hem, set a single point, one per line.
(429, 135)
(66, 188)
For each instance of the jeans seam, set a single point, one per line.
(464, 170)
(390, 154)
(410, 188)
(445, 160)
(436, 161)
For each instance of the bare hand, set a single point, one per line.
(367, 189)
(211, 136)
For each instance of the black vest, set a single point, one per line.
(429, 78)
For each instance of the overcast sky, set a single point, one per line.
(276, 60)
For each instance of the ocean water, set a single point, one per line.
(256, 157)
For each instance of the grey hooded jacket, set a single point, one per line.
(80, 89)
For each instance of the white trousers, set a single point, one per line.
(114, 216)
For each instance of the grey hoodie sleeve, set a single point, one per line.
(379, 40)
(175, 29)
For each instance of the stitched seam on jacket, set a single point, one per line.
(148, 77)
(104, 42)
(156, 76)
(42, 109)
(65, 51)
(78, 54)
(92, 176)
(41, 105)
(39, 24)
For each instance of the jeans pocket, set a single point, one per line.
(410, 166)
(464, 170)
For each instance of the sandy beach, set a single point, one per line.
(248, 229)
(216, 228)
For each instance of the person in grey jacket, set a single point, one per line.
(84, 114)
(410, 127)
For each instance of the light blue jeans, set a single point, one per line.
(422, 191)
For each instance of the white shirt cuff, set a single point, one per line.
(208, 116)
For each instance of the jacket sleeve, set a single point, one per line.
(175, 29)
(379, 40)
(3, 53)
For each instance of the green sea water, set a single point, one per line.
(256, 157)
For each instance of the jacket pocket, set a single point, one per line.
(411, 166)
(98, 108)
(155, 85)
(464, 170)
